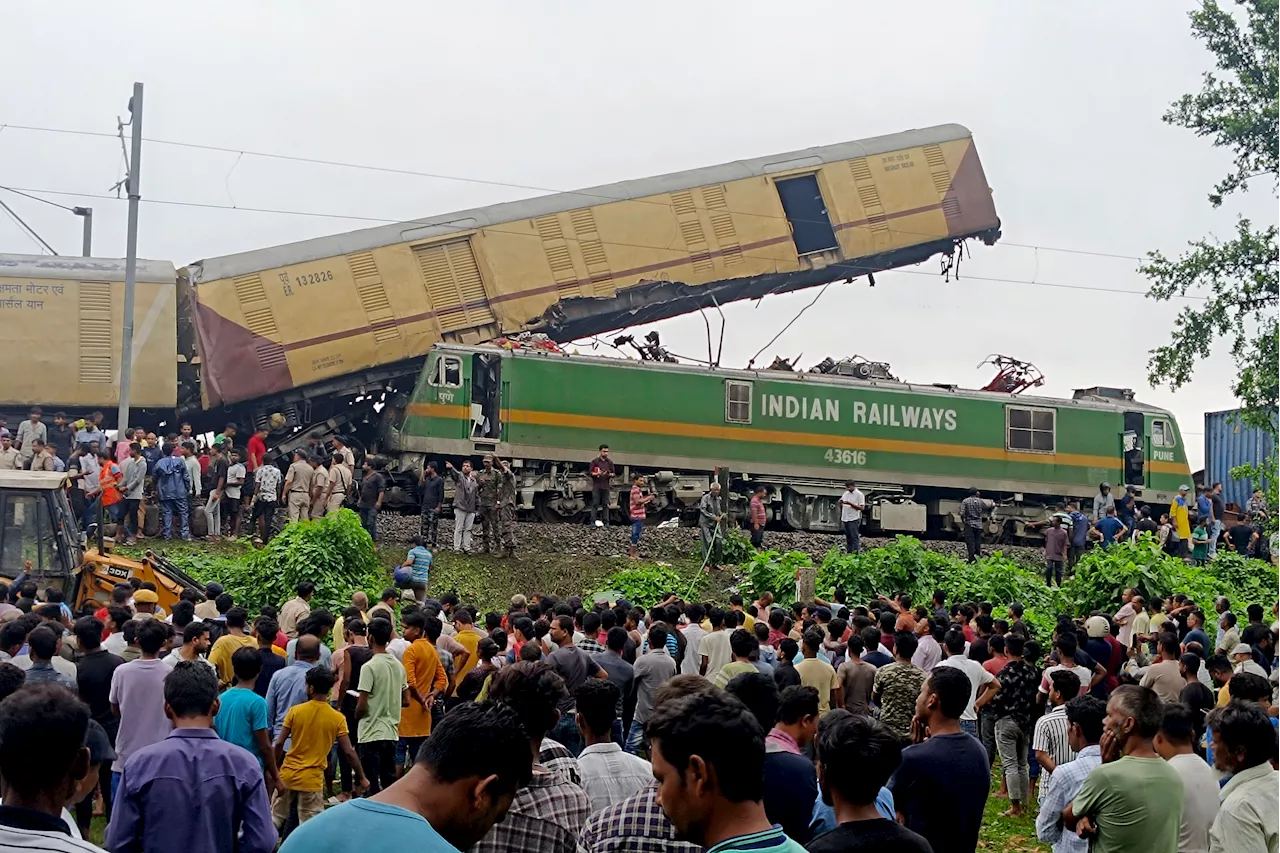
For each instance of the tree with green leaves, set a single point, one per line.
(1236, 109)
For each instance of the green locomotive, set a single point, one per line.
(915, 450)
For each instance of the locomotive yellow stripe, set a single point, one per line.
(769, 436)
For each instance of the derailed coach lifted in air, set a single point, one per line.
(914, 450)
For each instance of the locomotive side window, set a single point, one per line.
(1030, 430)
(1162, 434)
(737, 402)
(447, 372)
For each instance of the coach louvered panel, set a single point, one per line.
(454, 287)
(592, 248)
(95, 333)
(869, 198)
(691, 230)
(941, 177)
(373, 297)
(559, 261)
(261, 320)
(722, 225)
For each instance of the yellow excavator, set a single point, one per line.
(40, 536)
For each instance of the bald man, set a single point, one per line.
(360, 601)
(289, 686)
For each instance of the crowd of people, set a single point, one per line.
(602, 727)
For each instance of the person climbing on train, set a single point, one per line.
(1101, 501)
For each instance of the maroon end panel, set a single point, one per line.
(968, 204)
(237, 364)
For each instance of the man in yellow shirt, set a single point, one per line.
(314, 726)
(226, 645)
(468, 636)
(427, 680)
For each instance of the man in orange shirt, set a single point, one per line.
(108, 493)
(425, 674)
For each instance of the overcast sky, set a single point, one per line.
(1064, 103)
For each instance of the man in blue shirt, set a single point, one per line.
(153, 810)
(1079, 534)
(418, 562)
(1110, 528)
(242, 714)
(1204, 507)
(173, 486)
(288, 687)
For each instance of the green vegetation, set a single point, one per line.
(1236, 109)
(906, 566)
(335, 553)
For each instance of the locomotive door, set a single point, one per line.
(486, 397)
(1133, 448)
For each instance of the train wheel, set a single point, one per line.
(546, 511)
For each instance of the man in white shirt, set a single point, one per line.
(693, 635)
(609, 775)
(714, 649)
(195, 645)
(852, 503)
(1249, 815)
(982, 684)
(1175, 744)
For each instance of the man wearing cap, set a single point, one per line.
(207, 610)
(1101, 501)
(10, 458)
(144, 604)
(1242, 660)
(1180, 513)
(28, 431)
(297, 486)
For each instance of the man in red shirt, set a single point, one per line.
(758, 517)
(639, 500)
(256, 452)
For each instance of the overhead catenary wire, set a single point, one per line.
(391, 170)
(31, 232)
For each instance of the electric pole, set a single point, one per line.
(131, 259)
(86, 244)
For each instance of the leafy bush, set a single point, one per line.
(645, 586)
(774, 572)
(906, 566)
(335, 553)
(735, 547)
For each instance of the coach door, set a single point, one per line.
(1133, 448)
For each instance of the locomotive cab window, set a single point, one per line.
(1030, 430)
(447, 372)
(1162, 434)
(737, 402)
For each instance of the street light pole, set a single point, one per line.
(131, 259)
(86, 246)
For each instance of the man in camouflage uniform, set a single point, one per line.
(497, 503)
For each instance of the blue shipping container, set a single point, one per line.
(1227, 444)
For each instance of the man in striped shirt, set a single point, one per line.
(1050, 740)
(1084, 730)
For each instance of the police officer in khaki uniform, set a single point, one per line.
(319, 487)
(297, 486)
(340, 477)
